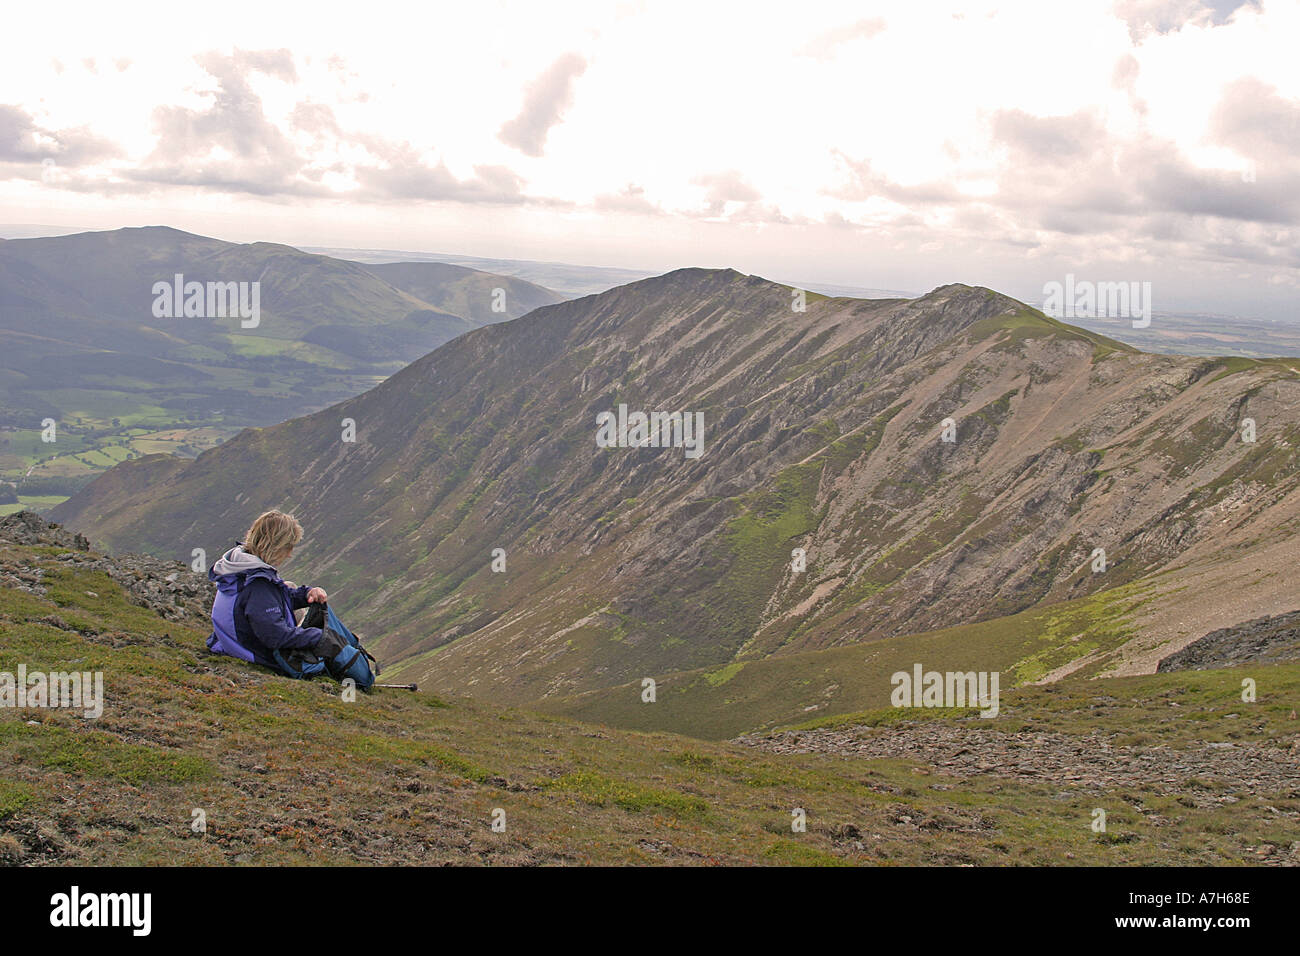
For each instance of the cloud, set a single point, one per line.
(825, 45)
(1070, 176)
(22, 140)
(760, 213)
(1254, 119)
(1171, 184)
(544, 105)
(1125, 78)
(1069, 185)
(865, 183)
(1055, 138)
(724, 187)
(234, 122)
(410, 179)
(1072, 169)
(315, 118)
(1145, 17)
(631, 199)
(1163, 149)
(230, 145)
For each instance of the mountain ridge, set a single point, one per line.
(822, 432)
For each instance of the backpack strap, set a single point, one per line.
(363, 650)
(344, 665)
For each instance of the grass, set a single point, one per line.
(1031, 324)
(788, 688)
(32, 503)
(14, 797)
(758, 540)
(88, 753)
(288, 773)
(599, 790)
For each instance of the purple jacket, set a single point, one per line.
(253, 611)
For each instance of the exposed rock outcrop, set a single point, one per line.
(1265, 640)
(167, 588)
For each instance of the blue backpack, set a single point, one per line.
(340, 652)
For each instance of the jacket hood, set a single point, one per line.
(237, 562)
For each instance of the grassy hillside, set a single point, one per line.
(286, 772)
(721, 702)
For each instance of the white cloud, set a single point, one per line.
(813, 138)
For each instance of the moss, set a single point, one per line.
(791, 853)
(694, 760)
(14, 796)
(600, 790)
(98, 754)
(723, 674)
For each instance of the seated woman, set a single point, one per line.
(252, 616)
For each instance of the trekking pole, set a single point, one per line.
(398, 686)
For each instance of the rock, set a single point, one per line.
(1264, 640)
(167, 588)
(1090, 762)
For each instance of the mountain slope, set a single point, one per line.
(822, 432)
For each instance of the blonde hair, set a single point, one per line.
(272, 536)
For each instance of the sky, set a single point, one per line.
(886, 145)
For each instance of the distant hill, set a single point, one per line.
(468, 293)
(23, 230)
(80, 343)
(571, 280)
(575, 280)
